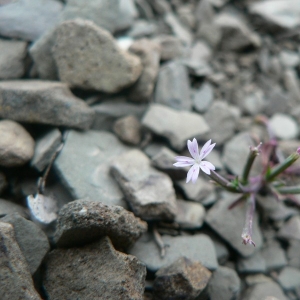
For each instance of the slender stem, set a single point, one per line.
(289, 190)
(247, 230)
(224, 182)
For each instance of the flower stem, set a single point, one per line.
(226, 184)
(247, 230)
(289, 190)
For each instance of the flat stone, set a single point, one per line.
(43, 102)
(256, 279)
(16, 144)
(45, 148)
(83, 221)
(277, 101)
(142, 28)
(198, 247)
(253, 264)
(12, 56)
(31, 239)
(219, 218)
(173, 87)
(8, 207)
(94, 271)
(224, 284)
(83, 166)
(293, 254)
(180, 125)
(289, 278)
(171, 47)
(149, 192)
(88, 57)
(16, 281)
(289, 59)
(254, 103)
(284, 126)
(290, 229)
(291, 82)
(183, 279)
(203, 98)
(16, 18)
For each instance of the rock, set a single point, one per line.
(284, 127)
(128, 130)
(291, 82)
(16, 18)
(293, 254)
(251, 280)
(236, 35)
(181, 125)
(8, 207)
(16, 281)
(203, 98)
(282, 13)
(45, 148)
(200, 52)
(3, 182)
(263, 290)
(149, 53)
(183, 279)
(224, 284)
(150, 193)
(12, 56)
(142, 28)
(173, 87)
(254, 103)
(84, 221)
(88, 57)
(289, 278)
(219, 218)
(290, 229)
(16, 144)
(289, 59)
(94, 271)
(253, 264)
(221, 121)
(171, 47)
(190, 215)
(31, 239)
(83, 166)
(43, 102)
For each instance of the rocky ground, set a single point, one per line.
(96, 99)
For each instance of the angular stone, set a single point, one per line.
(142, 28)
(31, 239)
(198, 247)
(150, 193)
(15, 278)
(83, 166)
(83, 221)
(284, 126)
(224, 284)
(203, 98)
(12, 56)
(8, 207)
(293, 254)
(219, 218)
(28, 19)
(43, 102)
(289, 278)
(183, 279)
(88, 57)
(171, 47)
(253, 264)
(16, 144)
(45, 147)
(92, 272)
(176, 126)
(290, 229)
(173, 87)
(289, 59)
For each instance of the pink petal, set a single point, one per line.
(193, 173)
(206, 166)
(185, 159)
(193, 148)
(181, 164)
(206, 149)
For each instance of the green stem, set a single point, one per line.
(289, 190)
(254, 151)
(227, 185)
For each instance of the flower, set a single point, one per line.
(196, 162)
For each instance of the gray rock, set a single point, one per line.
(290, 229)
(8, 207)
(92, 272)
(173, 87)
(289, 59)
(198, 247)
(28, 19)
(31, 239)
(43, 102)
(263, 290)
(171, 47)
(251, 280)
(219, 218)
(16, 144)
(254, 103)
(183, 279)
(277, 101)
(221, 121)
(83, 166)
(291, 81)
(253, 264)
(142, 28)
(12, 56)
(190, 215)
(149, 53)
(203, 98)
(3, 182)
(150, 193)
(45, 147)
(16, 281)
(293, 254)
(83, 221)
(88, 57)
(200, 51)
(284, 127)
(176, 126)
(289, 278)
(224, 284)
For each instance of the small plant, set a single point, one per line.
(273, 167)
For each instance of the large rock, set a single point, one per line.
(88, 57)
(16, 144)
(43, 102)
(150, 193)
(15, 278)
(83, 166)
(83, 221)
(8, 207)
(95, 271)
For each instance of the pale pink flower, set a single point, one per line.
(196, 162)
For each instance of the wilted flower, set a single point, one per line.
(196, 162)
